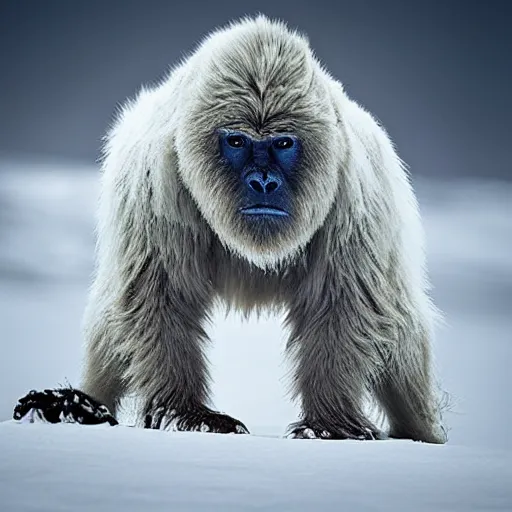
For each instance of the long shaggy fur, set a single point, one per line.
(349, 269)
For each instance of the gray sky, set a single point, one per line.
(436, 74)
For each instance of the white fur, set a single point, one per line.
(158, 192)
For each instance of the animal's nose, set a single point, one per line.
(263, 182)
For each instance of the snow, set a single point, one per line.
(67, 467)
(46, 248)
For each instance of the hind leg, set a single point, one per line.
(406, 393)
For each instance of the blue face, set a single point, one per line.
(265, 169)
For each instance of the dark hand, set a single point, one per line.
(200, 419)
(314, 430)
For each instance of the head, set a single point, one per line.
(258, 142)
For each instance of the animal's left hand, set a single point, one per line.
(64, 405)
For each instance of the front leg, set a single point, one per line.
(332, 372)
(156, 328)
(170, 368)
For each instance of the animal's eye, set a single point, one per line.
(283, 143)
(236, 141)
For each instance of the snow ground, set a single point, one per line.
(46, 248)
(73, 468)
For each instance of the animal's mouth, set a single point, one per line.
(264, 209)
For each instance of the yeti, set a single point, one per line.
(249, 176)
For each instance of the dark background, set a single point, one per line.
(436, 73)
